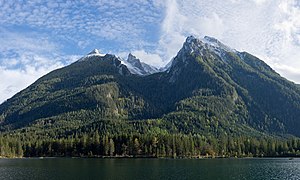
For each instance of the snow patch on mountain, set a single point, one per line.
(213, 42)
(135, 66)
(193, 45)
(167, 67)
(93, 53)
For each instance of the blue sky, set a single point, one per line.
(39, 36)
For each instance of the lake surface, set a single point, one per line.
(71, 168)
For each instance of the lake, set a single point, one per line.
(77, 168)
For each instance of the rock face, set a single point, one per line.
(206, 84)
(137, 67)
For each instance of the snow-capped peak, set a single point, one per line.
(132, 59)
(137, 67)
(215, 43)
(93, 53)
(193, 44)
(190, 39)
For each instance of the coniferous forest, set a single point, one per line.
(146, 145)
(124, 141)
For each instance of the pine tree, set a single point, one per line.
(111, 147)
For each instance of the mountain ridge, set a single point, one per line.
(210, 100)
(203, 70)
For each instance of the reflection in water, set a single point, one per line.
(70, 168)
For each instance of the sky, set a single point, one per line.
(38, 36)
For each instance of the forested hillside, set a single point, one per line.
(211, 101)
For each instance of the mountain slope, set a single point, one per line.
(269, 101)
(208, 89)
(93, 83)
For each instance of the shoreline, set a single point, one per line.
(151, 157)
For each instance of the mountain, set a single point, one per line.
(268, 101)
(137, 67)
(209, 95)
(95, 82)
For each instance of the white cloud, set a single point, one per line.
(183, 19)
(14, 80)
(149, 58)
(292, 72)
(172, 35)
(24, 58)
(31, 67)
(25, 41)
(260, 2)
(290, 23)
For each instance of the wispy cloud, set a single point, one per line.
(25, 41)
(121, 21)
(21, 71)
(24, 58)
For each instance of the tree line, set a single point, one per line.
(95, 144)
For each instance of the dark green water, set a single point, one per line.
(68, 168)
